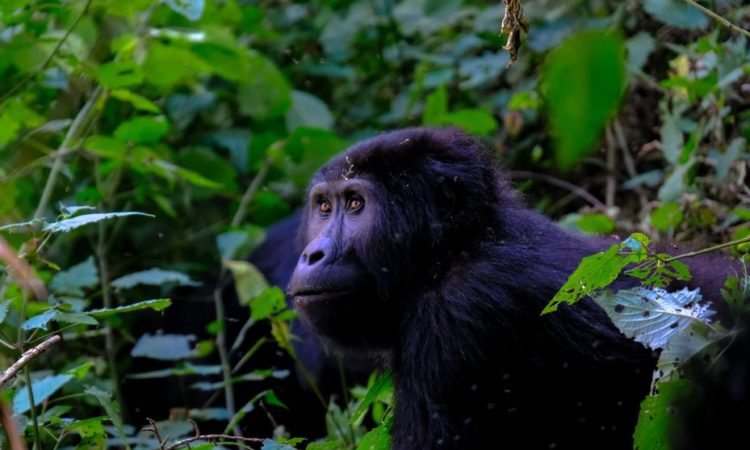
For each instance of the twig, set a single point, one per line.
(250, 193)
(611, 186)
(560, 183)
(72, 134)
(708, 249)
(27, 356)
(214, 438)
(718, 18)
(48, 61)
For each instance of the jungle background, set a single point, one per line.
(146, 146)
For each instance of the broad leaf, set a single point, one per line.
(41, 389)
(653, 317)
(77, 278)
(583, 82)
(155, 304)
(248, 281)
(167, 347)
(66, 225)
(656, 415)
(153, 277)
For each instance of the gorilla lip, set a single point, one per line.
(312, 296)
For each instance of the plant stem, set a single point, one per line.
(26, 358)
(718, 18)
(709, 249)
(250, 193)
(34, 421)
(73, 131)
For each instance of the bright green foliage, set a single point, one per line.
(656, 411)
(599, 270)
(667, 216)
(583, 80)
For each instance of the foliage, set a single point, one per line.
(169, 134)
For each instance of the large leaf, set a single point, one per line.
(153, 277)
(155, 304)
(167, 347)
(583, 81)
(192, 9)
(308, 111)
(676, 13)
(599, 270)
(65, 225)
(653, 316)
(77, 278)
(267, 94)
(656, 414)
(42, 390)
(248, 281)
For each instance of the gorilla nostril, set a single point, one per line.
(315, 256)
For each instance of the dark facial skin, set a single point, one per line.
(333, 290)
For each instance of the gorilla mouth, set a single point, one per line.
(308, 296)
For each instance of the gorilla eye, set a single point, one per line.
(356, 203)
(324, 206)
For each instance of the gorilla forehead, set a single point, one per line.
(403, 151)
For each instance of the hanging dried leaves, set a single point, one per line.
(513, 23)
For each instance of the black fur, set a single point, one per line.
(450, 272)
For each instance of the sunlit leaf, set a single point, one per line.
(41, 389)
(583, 81)
(65, 225)
(192, 9)
(167, 347)
(156, 304)
(153, 277)
(248, 280)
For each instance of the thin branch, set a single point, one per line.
(51, 56)
(709, 249)
(718, 18)
(11, 429)
(72, 134)
(562, 184)
(26, 358)
(250, 193)
(217, 438)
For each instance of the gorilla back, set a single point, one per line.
(417, 251)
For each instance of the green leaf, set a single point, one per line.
(4, 307)
(166, 347)
(182, 370)
(697, 338)
(676, 13)
(379, 438)
(168, 65)
(119, 74)
(595, 224)
(268, 444)
(308, 111)
(91, 431)
(40, 321)
(583, 81)
(137, 101)
(640, 47)
(382, 388)
(153, 277)
(75, 318)
(111, 408)
(653, 316)
(239, 243)
(156, 304)
(476, 121)
(77, 278)
(268, 302)
(675, 185)
(599, 270)
(142, 130)
(41, 389)
(66, 225)
(267, 95)
(667, 216)
(651, 432)
(248, 281)
(435, 106)
(192, 9)
(524, 100)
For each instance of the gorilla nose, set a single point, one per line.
(317, 251)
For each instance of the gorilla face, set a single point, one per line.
(333, 288)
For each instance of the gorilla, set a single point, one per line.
(416, 251)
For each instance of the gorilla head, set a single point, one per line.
(379, 221)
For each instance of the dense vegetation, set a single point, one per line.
(145, 146)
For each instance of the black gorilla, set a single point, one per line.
(419, 253)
